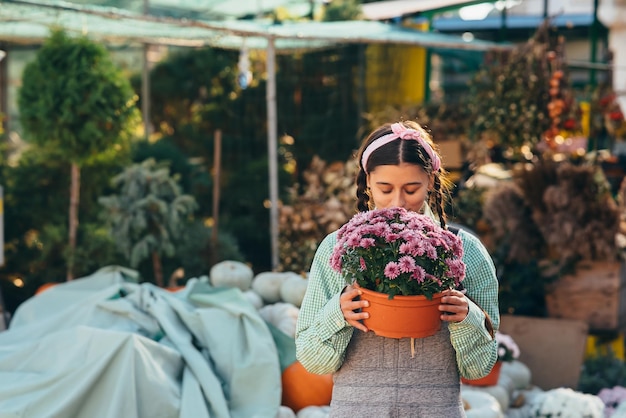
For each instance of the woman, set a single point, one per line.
(377, 376)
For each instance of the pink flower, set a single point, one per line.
(363, 265)
(407, 264)
(418, 274)
(367, 242)
(398, 252)
(392, 270)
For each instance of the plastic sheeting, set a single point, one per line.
(103, 347)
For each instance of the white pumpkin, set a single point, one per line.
(267, 285)
(293, 288)
(230, 273)
(519, 373)
(505, 381)
(282, 315)
(314, 412)
(481, 405)
(501, 395)
(285, 412)
(254, 298)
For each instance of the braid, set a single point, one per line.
(361, 191)
(438, 200)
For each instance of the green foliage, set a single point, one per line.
(197, 253)
(466, 208)
(36, 191)
(149, 213)
(193, 178)
(243, 211)
(191, 95)
(508, 98)
(316, 95)
(602, 371)
(340, 10)
(521, 288)
(74, 101)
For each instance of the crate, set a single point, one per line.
(595, 294)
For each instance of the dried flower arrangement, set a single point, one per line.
(321, 205)
(562, 210)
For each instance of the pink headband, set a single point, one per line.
(400, 131)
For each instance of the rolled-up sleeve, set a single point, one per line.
(322, 333)
(476, 350)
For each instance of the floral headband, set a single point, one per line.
(398, 130)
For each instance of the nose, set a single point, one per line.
(398, 200)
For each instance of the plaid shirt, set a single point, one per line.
(322, 333)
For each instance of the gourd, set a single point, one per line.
(254, 298)
(267, 285)
(45, 287)
(282, 315)
(481, 405)
(285, 412)
(302, 388)
(230, 273)
(519, 373)
(314, 412)
(500, 393)
(293, 288)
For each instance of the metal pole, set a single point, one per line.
(594, 44)
(145, 82)
(272, 151)
(4, 95)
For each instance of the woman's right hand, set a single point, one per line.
(351, 305)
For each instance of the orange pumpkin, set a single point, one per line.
(45, 287)
(302, 388)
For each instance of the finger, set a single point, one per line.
(358, 325)
(355, 319)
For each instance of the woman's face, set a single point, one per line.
(404, 185)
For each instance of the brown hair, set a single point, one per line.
(403, 151)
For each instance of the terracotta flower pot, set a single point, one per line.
(402, 316)
(490, 380)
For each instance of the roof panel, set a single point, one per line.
(25, 21)
(385, 10)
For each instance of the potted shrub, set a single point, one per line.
(399, 258)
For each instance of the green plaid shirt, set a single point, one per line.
(322, 334)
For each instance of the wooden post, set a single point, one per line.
(217, 157)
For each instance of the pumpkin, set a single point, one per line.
(267, 284)
(518, 372)
(230, 273)
(314, 412)
(500, 393)
(254, 298)
(293, 288)
(302, 388)
(45, 287)
(481, 405)
(282, 315)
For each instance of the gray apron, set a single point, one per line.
(379, 378)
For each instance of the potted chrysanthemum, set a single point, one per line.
(399, 257)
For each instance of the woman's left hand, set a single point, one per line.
(454, 306)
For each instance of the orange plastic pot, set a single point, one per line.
(402, 316)
(490, 380)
